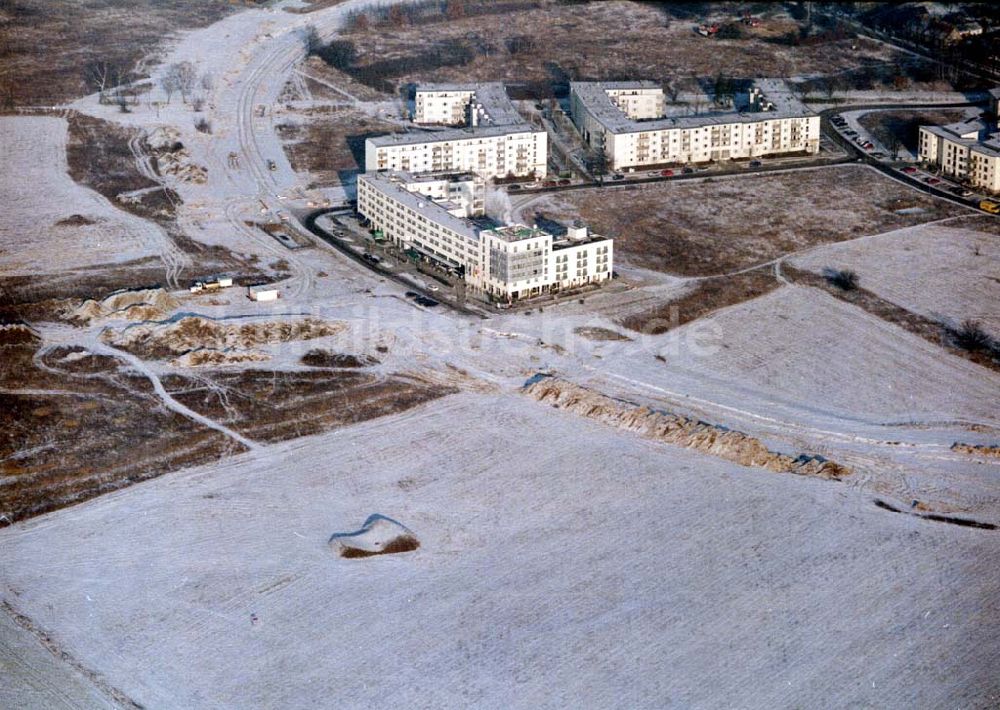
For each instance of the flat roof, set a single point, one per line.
(566, 242)
(594, 96)
(452, 134)
(518, 232)
(447, 176)
(390, 185)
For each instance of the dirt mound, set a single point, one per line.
(143, 305)
(600, 334)
(378, 536)
(18, 334)
(678, 430)
(976, 449)
(75, 220)
(215, 358)
(172, 158)
(194, 333)
(325, 358)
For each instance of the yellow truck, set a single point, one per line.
(990, 206)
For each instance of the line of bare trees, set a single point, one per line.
(113, 83)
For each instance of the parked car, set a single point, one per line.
(960, 191)
(687, 171)
(755, 163)
(515, 186)
(411, 294)
(564, 181)
(370, 258)
(433, 287)
(850, 132)
(424, 301)
(880, 155)
(667, 173)
(617, 176)
(930, 180)
(909, 170)
(549, 183)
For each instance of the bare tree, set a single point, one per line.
(187, 77)
(207, 81)
(98, 75)
(311, 40)
(170, 82)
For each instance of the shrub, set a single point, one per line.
(970, 336)
(844, 279)
(203, 125)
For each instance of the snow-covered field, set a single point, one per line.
(940, 272)
(37, 192)
(561, 563)
(801, 345)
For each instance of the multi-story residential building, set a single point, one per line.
(625, 120)
(495, 142)
(965, 151)
(502, 263)
(490, 151)
(485, 104)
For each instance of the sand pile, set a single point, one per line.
(678, 430)
(172, 158)
(194, 333)
(148, 304)
(976, 449)
(216, 358)
(378, 536)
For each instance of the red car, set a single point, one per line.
(549, 183)
(667, 173)
(909, 170)
(931, 180)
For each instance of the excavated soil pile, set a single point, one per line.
(378, 536)
(162, 341)
(147, 304)
(679, 430)
(976, 449)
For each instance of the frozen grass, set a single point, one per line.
(80, 227)
(942, 273)
(549, 41)
(706, 227)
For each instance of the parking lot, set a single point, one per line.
(904, 164)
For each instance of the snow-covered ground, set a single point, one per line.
(937, 271)
(37, 192)
(561, 563)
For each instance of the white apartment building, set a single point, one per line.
(485, 104)
(502, 264)
(495, 142)
(626, 121)
(964, 151)
(492, 151)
